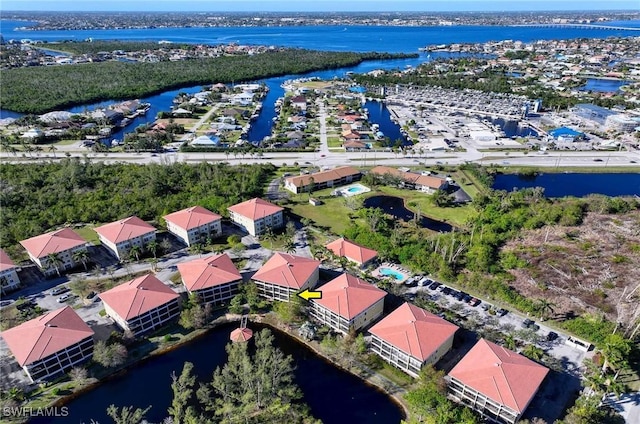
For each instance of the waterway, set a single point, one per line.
(395, 206)
(604, 85)
(573, 184)
(333, 395)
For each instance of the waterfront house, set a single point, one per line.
(8, 274)
(361, 255)
(206, 141)
(255, 216)
(284, 275)
(121, 236)
(55, 251)
(348, 303)
(496, 382)
(142, 304)
(413, 180)
(51, 344)
(410, 337)
(194, 225)
(299, 102)
(215, 279)
(323, 179)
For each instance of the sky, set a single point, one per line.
(316, 5)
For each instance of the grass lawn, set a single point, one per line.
(88, 234)
(333, 214)
(334, 142)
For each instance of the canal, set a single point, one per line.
(333, 395)
(573, 184)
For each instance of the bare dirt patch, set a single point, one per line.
(592, 268)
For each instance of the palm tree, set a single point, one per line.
(533, 352)
(135, 250)
(81, 255)
(269, 236)
(152, 247)
(509, 341)
(53, 149)
(196, 249)
(54, 260)
(289, 246)
(543, 306)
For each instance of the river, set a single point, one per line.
(333, 395)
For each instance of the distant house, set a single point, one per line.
(361, 255)
(323, 179)
(255, 216)
(410, 337)
(60, 244)
(51, 344)
(299, 102)
(413, 180)
(495, 381)
(33, 133)
(206, 141)
(181, 112)
(194, 225)
(142, 304)
(215, 279)
(120, 236)
(284, 275)
(354, 145)
(348, 303)
(8, 274)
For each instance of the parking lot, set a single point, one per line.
(483, 319)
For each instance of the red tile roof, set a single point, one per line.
(43, 336)
(53, 242)
(208, 272)
(241, 335)
(125, 229)
(323, 176)
(255, 208)
(193, 217)
(351, 250)
(410, 177)
(414, 331)
(287, 270)
(349, 296)
(138, 296)
(5, 261)
(500, 374)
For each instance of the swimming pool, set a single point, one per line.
(388, 272)
(351, 190)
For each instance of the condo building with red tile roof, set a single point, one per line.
(62, 244)
(413, 180)
(496, 382)
(9, 279)
(215, 279)
(284, 275)
(323, 179)
(50, 344)
(361, 255)
(120, 236)
(194, 225)
(255, 216)
(142, 304)
(348, 303)
(410, 338)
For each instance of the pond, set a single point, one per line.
(573, 184)
(149, 383)
(395, 206)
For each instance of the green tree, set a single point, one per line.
(135, 251)
(533, 352)
(127, 415)
(82, 256)
(109, 355)
(152, 247)
(181, 409)
(53, 260)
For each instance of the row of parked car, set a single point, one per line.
(423, 281)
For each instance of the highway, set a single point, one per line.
(328, 158)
